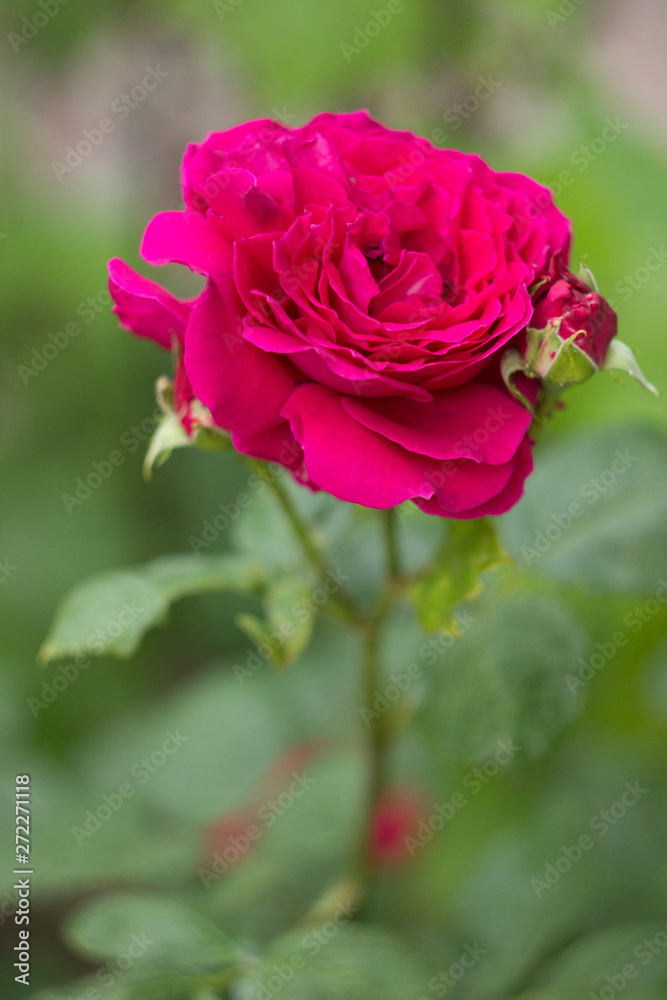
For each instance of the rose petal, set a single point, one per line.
(186, 238)
(144, 307)
(478, 422)
(244, 387)
(278, 444)
(462, 485)
(348, 460)
(497, 504)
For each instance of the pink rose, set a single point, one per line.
(361, 288)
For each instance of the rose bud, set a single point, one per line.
(571, 335)
(396, 818)
(570, 332)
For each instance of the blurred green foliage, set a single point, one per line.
(92, 396)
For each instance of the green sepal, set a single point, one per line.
(171, 434)
(621, 357)
(512, 362)
(168, 434)
(557, 361)
(588, 278)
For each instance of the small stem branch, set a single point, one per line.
(340, 601)
(304, 536)
(393, 561)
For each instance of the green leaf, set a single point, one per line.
(594, 513)
(141, 841)
(621, 357)
(109, 614)
(81, 988)
(238, 723)
(470, 549)
(290, 617)
(105, 614)
(165, 935)
(257, 632)
(180, 576)
(171, 986)
(339, 961)
(530, 828)
(616, 960)
(504, 679)
(116, 984)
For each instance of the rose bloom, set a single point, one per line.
(361, 288)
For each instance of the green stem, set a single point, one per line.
(546, 408)
(379, 732)
(299, 528)
(340, 601)
(393, 562)
(377, 743)
(370, 628)
(363, 861)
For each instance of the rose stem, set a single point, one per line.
(378, 741)
(340, 600)
(370, 629)
(389, 523)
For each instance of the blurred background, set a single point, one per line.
(573, 92)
